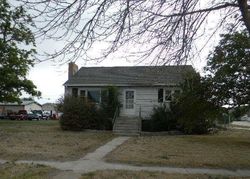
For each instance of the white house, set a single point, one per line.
(27, 105)
(141, 88)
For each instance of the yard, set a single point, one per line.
(24, 171)
(226, 149)
(44, 140)
(118, 174)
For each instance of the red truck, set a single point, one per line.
(21, 115)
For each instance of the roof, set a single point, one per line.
(23, 103)
(129, 76)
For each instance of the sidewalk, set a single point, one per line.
(93, 162)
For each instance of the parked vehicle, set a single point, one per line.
(21, 115)
(47, 114)
(32, 116)
(2, 116)
(40, 114)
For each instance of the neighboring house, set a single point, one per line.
(27, 105)
(141, 88)
(49, 107)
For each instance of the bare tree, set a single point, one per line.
(164, 31)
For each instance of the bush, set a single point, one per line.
(193, 109)
(162, 119)
(110, 100)
(194, 117)
(78, 114)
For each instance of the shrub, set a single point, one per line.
(110, 100)
(79, 114)
(162, 119)
(193, 109)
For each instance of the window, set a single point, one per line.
(160, 95)
(75, 92)
(82, 94)
(165, 95)
(168, 95)
(104, 96)
(129, 99)
(94, 96)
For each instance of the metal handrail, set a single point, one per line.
(139, 120)
(115, 115)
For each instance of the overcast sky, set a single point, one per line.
(49, 76)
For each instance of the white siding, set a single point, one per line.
(10, 108)
(32, 106)
(146, 98)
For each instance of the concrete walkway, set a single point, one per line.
(93, 162)
(102, 151)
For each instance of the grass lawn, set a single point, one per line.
(44, 140)
(118, 174)
(24, 171)
(226, 149)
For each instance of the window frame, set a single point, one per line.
(172, 92)
(96, 90)
(74, 92)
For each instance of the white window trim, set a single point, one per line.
(164, 94)
(124, 98)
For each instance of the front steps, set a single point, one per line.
(128, 126)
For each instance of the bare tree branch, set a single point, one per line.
(164, 31)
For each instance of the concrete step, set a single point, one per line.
(126, 125)
(126, 128)
(123, 122)
(129, 124)
(126, 134)
(126, 119)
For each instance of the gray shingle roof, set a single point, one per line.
(129, 76)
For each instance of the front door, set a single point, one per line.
(129, 102)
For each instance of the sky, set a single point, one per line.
(50, 76)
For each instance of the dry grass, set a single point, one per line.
(227, 149)
(112, 174)
(44, 140)
(24, 171)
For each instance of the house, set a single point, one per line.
(141, 88)
(27, 105)
(49, 107)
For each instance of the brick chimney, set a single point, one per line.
(73, 68)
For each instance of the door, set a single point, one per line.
(129, 108)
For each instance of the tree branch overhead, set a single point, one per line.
(164, 31)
